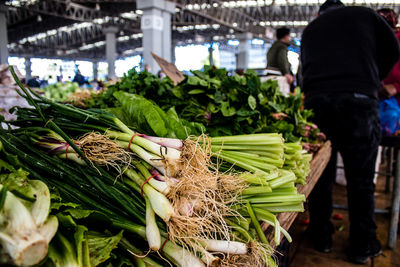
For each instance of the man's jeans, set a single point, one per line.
(351, 122)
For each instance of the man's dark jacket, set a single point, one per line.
(277, 57)
(350, 49)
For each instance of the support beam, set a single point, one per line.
(210, 55)
(156, 28)
(95, 70)
(28, 69)
(111, 49)
(173, 55)
(217, 12)
(3, 38)
(243, 58)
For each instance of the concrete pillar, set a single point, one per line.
(95, 69)
(28, 69)
(111, 49)
(3, 37)
(210, 55)
(243, 57)
(156, 28)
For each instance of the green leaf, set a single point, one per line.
(81, 244)
(177, 91)
(226, 110)
(142, 113)
(239, 79)
(175, 126)
(196, 91)
(57, 204)
(4, 166)
(212, 108)
(251, 100)
(263, 100)
(101, 245)
(218, 96)
(244, 112)
(120, 261)
(61, 253)
(196, 81)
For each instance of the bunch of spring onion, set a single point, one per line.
(137, 194)
(268, 193)
(274, 166)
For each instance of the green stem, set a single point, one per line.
(256, 224)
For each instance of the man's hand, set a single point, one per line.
(289, 78)
(388, 90)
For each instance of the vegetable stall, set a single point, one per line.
(139, 178)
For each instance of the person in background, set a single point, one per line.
(277, 56)
(161, 74)
(346, 52)
(79, 78)
(391, 84)
(34, 82)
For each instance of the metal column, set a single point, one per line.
(173, 56)
(28, 69)
(243, 57)
(389, 170)
(156, 28)
(394, 220)
(3, 37)
(210, 55)
(95, 70)
(111, 49)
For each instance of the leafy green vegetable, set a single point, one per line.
(142, 114)
(225, 104)
(60, 92)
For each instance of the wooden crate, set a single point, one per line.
(317, 165)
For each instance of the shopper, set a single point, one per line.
(277, 56)
(391, 84)
(346, 52)
(79, 78)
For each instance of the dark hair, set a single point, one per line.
(282, 32)
(390, 16)
(330, 5)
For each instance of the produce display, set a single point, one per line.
(132, 183)
(60, 92)
(225, 104)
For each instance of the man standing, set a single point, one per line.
(346, 52)
(277, 56)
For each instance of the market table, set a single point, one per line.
(317, 165)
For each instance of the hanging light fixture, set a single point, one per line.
(39, 18)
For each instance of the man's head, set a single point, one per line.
(330, 5)
(283, 34)
(390, 16)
